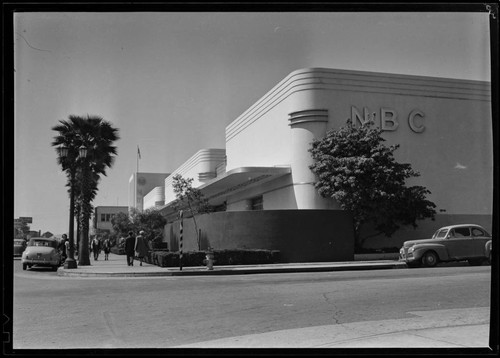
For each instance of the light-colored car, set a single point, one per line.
(19, 246)
(465, 242)
(41, 252)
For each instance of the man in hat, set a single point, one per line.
(129, 248)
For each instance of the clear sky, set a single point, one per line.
(172, 82)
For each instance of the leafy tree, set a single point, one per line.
(97, 136)
(21, 230)
(151, 221)
(356, 169)
(190, 199)
(122, 224)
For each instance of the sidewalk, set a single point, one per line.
(116, 266)
(451, 328)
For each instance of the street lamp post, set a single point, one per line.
(64, 152)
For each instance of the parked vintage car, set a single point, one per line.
(41, 251)
(465, 242)
(19, 246)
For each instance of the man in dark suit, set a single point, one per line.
(130, 248)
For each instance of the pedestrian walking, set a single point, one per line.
(106, 245)
(141, 246)
(96, 247)
(129, 248)
(62, 247)
(66, 247)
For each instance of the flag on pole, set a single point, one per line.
(138, 152)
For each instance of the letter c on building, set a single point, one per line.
(411, 121)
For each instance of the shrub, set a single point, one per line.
(160, 246)
(221, 257)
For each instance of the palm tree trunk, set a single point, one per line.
(84, 255)
(85, 217)
(78, 229)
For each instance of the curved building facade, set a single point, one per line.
(443, 127)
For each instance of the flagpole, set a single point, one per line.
(136, 178)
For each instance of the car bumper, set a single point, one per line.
(406, 257)
(40, 262)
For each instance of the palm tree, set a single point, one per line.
(97, 136)
(78, 206)
(89, 181)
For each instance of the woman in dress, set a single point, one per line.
(141, 246)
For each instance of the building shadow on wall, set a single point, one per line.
(174, 241)
(204, 241)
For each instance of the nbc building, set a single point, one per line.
(263, 189)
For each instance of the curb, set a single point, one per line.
(359, 266)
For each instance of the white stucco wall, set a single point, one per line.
(201, 167)
(140, 184)
(454, 152)
(155, 197)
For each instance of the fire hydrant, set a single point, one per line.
(210, 259)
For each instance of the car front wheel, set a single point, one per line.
(429, 259)
(25, 266)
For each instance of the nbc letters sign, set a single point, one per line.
(389, 119)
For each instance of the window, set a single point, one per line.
(106, 217)
(440, 234)
(461, 232)
(257, 203)
(477, 232)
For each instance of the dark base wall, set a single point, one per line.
(300, 235)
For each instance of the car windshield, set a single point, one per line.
(440, 234)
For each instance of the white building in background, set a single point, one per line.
(140, 184)
(443, 127)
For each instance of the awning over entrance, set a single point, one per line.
(239, 179)
(216, 190)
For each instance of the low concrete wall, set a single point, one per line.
(300, 235)
(372, 257)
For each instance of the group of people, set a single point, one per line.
(136, 246)
(96, 246)
(64, 247)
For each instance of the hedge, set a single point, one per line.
(221, 258)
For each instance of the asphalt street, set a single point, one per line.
(309, 309)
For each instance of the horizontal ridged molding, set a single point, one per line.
(308, 116)
(203, 155)
(310, 79)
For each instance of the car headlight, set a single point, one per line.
(411, 249)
